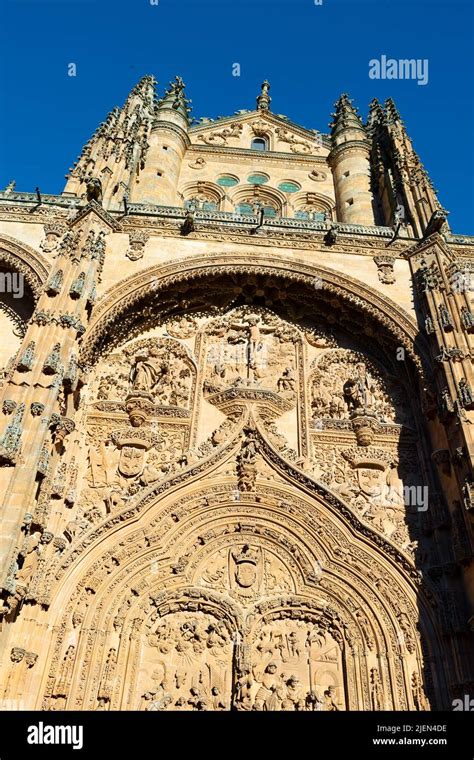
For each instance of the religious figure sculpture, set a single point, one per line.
(270, 693)
(148, 369)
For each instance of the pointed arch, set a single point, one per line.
(155, 549)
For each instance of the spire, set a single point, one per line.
(345, 117)
(118, 146)
(175, 100)
(391, 111)
(144, 89)
(264, 99)
(397, 171)
(376, 116)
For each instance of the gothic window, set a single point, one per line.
(259, 143)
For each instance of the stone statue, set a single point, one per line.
(329, 705)
(419, 698)
(359, 390)
(294, 693)
(63, 681)
(313, 702)
(218, 703)
(376, 690)
(287, 380)
(197, 700)
(270, 693)
(243, 691)
(160, 705)
(148, 370)
(30, 560)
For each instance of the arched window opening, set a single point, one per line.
(259, 143)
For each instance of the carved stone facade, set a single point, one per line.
(236, 453)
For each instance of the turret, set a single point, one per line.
(349, 161)
(169, 140)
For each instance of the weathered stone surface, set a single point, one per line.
(221, 477)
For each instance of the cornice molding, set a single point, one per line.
(273, 120)
(266, 156)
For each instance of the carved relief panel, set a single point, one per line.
(246, 571)
(193, 661)
(251, 348)
(296, 665)
(343, 381)
(186, 664)
(160, 367)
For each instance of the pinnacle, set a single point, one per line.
(345, 115)
(145, 89)
(264, 99)
(376, 114)
(391, 110)
(175, 98)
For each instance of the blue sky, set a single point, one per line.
(310, 53)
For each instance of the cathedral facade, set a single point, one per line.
(236, 442)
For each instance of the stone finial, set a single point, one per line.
(345, 116)
(174, 98)
(264, 99)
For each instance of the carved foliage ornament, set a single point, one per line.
(220, 137)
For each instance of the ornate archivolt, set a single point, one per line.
(214, 585)
(24, 259)
(222, 528)
(32, 268)
(248, 354)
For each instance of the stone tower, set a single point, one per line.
(236, 449)
(169, 140)
(349, 161)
